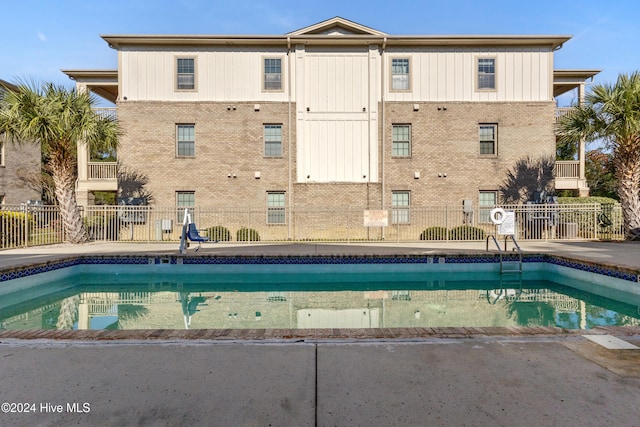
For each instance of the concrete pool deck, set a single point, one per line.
(447, 377)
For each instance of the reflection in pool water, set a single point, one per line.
(259, 301)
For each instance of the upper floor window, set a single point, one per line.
(400, 74)
(401, 141)
(487, 135)
(186, 74)
(273, 140)
(272, 74)
(486, 73)
(185, 140)
(276, 213)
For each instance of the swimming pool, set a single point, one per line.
(174, 292)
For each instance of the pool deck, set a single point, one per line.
(436, 376)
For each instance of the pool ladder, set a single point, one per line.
(507, 266)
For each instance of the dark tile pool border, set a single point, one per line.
(588, 266)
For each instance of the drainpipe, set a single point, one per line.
(383, 127)
(289, 176)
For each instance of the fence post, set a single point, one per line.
(26, 227)
(595, 221)
(446, 221)
(106, 223)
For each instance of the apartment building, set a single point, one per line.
(332, 115)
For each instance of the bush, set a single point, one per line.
(434, 233)
(586, 200)
(12, 228)
(247, 234)
(466, 232)
(219, 233)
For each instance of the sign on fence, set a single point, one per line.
(508, 226)
(376, 218)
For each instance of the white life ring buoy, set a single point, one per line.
(498, 216)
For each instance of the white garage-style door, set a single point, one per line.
(337, 142)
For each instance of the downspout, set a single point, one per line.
(290, 184)
(383, 127)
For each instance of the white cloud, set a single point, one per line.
(42, 37)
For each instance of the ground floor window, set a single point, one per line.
(487, 201)
(400, 207)
(185, 199)
(276, 213)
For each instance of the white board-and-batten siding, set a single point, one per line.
(222, 75)
(449, 74)
(437, 74)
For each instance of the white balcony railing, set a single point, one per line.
(562, 111)
(567, 169)
(106, 112)
(104, 171)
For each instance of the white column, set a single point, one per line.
(83, 153)
(582, 145)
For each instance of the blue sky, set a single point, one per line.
(38, 38)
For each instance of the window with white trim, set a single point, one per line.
(400, 207)
(272, 140)
(185, 140)
(401, 141)
(272, 79)
(185, 73)
(487, 200)
(400, 74)
(185, 199)
(486, 77)
(487, 134)
(276, 210)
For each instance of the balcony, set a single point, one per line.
(567, 176)
(102, 171)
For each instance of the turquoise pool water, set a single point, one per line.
(283, 296)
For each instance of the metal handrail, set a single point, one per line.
(491, 236)
(501, 252)
(515, 249)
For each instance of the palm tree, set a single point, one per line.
(58, 118)
(612, 113)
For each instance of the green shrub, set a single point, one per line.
(434, 233)
(609, 217)
(12, 228)
(219, 233)
(585, 200)
(466, 232)
(247, 234)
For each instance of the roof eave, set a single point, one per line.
(117, 41)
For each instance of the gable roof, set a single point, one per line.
(336, 26)
(334, 31)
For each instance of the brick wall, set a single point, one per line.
(229, 142)
(446, 141)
